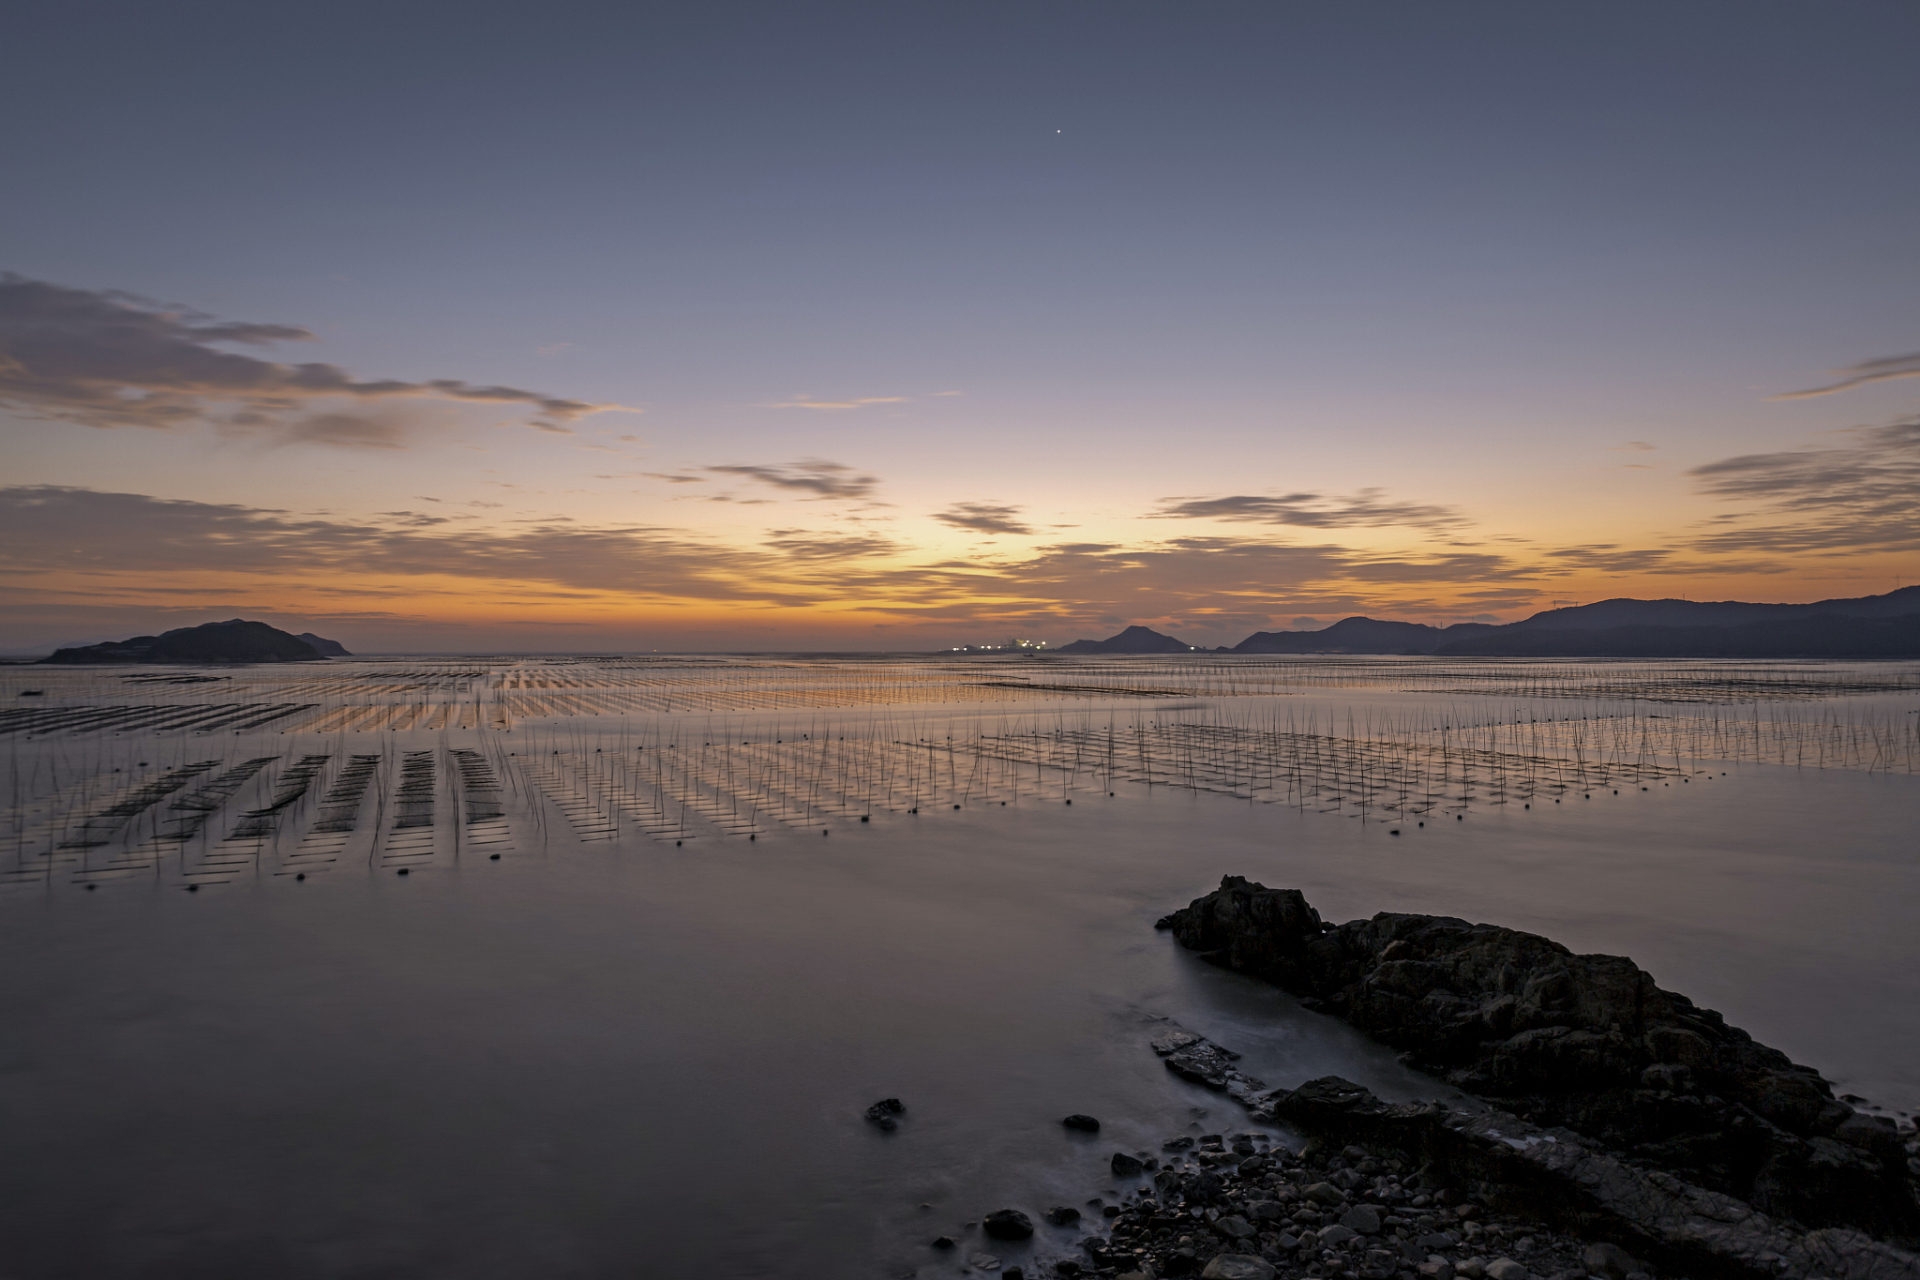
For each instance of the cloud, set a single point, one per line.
(984, 517)
(345, 430)
(68, 542)
(1862, 497)
(811, 475)
(673, 479)
(1634, 446)
(81, 534)
(1365, 510)
(102, 358)
(803, 545)
(1884, 369)
(807, 402)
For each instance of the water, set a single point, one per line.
(621, 1057)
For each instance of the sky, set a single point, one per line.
(764, 326)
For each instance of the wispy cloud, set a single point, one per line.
(102, 358)
(1862, 497)
(984, 517)
(1884, 369)
(804, 545)
(1366, 509)
(861, 402)
(817, 476)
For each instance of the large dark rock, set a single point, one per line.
(1007, 1224)
(214, 642)
(1586, 1042)
(1556, 1178)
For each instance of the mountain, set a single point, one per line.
(324, 647)
(1360, 635)
(1609, 614)
(1883, 626)
(235, 641)
(1824, 635)
(1132, 640)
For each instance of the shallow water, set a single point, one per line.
(625, 1058)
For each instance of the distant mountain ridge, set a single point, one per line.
(213, 642)
(1360, 635)
(1882, 626)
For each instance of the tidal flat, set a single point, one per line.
(590, 967)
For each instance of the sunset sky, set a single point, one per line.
(904, 325)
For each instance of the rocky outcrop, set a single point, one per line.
(1240, 1205)
(1588, 1043)
(1556, 1178)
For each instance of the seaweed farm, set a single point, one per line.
(198, 777)
(478, 968)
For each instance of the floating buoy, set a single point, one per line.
(303, 875)
(402, 871)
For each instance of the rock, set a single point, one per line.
(944, 1242)
(1061, 1215)
(1875, 1134)
(1325, 1193)
(1506, 1269)
(881, 1114)
(1471, 1269)
(1554, 1177)
(1234, 1227)
(1608, 1260)
(1436, 1268)
(1361, 1219)
(1007, 1224)
(983, 1262)
(1084, 1124)
(1335, 1235)
(1584, 1042)
(1237, 1266)
(1013, 1273)
(1125, 1166)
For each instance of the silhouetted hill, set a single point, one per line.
(235, 641)
(1820, 636)
(324, 647)
(1359, 635)
(1883, 626)
(1608, 614)
(1132, 640)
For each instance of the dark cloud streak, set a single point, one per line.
(101, 358)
